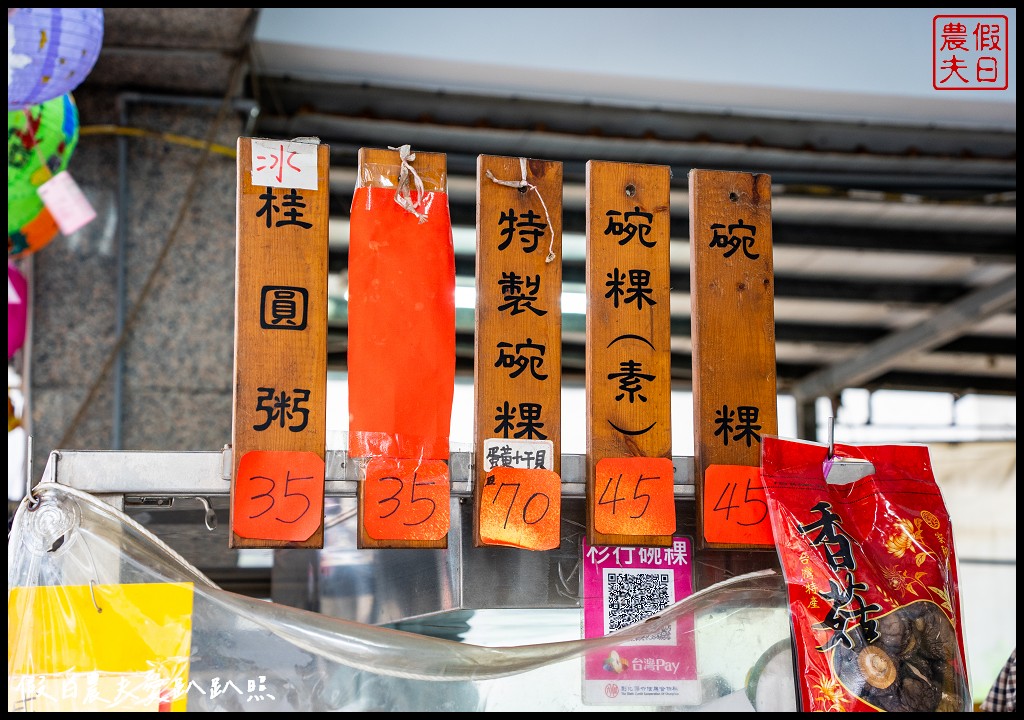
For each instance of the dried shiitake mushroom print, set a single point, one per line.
(911, 667)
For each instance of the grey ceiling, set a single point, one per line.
(894, 244)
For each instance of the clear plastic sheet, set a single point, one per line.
(246, 654)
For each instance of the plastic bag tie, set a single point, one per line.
(404, 196)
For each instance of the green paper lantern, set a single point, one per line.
(40, 141)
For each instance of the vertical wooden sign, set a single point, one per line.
(733, 330)
(630, 498)
(517, 370)
(280, 365)
(401, 347)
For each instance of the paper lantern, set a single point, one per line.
(50, 51)
(40, 141)
(17, 309)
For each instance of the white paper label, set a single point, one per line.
(282, 164)
(524, 454)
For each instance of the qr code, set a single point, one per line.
(632, 595)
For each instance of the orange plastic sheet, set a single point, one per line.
(224, 652)
(401, 325)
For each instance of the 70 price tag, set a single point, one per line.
(521, 508)
(406, 499)
(634, 496)
(278, 495)
(735, 506)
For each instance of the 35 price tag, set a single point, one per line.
(735, 508)
(521, 508)
(634, 496)
(278, 495)
(406, 499)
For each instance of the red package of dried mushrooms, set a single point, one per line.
(866, 548)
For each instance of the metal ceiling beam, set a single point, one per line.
(993, 239)
(882, 290)
(787, 374)
(950, 185)
(875, 359)
(294, 95)
(783, 164)
(790, 206)
(817, 334)
(996, 245)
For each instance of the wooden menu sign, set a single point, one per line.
(733, 332)
(518, 350)
(401, 347)
(280, 364)
(630, 497)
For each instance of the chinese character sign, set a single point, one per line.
(284, 165)
(518, 360)
(279, 422)
(970, 52)
(621, 587)
(629, 359)
(733, 332)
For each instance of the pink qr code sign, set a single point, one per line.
(970, 52)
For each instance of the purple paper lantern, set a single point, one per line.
(50, 51)
(17, 309)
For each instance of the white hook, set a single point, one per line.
(211, 516)
(831, 437)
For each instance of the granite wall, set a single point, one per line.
(168, 218)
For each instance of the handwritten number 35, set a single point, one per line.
(393, 498)
(269, 496)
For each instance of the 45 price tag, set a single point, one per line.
(278, 495)
(735, 507)
(634, 496)
(406, 499)
(521, 508)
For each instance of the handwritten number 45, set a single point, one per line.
(616, 498)
(727, 505)
(393, 498)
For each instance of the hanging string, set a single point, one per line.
(524, 184)
(403, 196)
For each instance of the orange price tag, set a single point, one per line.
(406, 499)
(735, 507)
(521, 508)
(279, 495)
(634, 496)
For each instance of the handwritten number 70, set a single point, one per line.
(526, 506)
